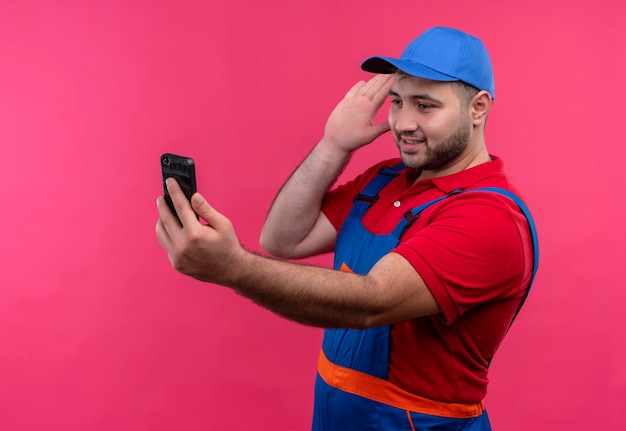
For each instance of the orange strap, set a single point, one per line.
(373, 388)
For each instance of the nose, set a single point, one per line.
(403, 120)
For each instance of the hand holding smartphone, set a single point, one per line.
(183, 170)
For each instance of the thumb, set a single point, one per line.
(379, 129)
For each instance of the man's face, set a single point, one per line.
(430, 126)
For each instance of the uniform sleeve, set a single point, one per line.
(471, 250)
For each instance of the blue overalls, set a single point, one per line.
(351, 390)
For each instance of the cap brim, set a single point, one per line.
(387, 65)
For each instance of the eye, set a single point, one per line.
(425, 106)
(397, 103)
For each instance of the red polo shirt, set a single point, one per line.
(473, 251)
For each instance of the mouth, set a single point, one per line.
(411, 144)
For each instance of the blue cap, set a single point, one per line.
(441, 54)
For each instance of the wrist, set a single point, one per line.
(239, 262)
(332, 152)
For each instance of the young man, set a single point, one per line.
(434, 254)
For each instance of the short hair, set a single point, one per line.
(465, 91)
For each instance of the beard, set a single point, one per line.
(441, 154)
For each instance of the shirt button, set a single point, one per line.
(396, 204)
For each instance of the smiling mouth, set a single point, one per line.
(411, 145)
(413, 141)
(411, 138)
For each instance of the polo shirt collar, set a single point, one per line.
(469, 177)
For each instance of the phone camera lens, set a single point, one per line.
(166, 161)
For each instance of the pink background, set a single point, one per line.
(98, 332)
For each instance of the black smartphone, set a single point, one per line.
(183, 170)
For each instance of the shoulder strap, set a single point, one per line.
(410, 216)
(364, 200)
(533, 233)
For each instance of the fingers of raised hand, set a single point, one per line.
(355, 90)
(376, 88)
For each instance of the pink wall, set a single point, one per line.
(97, 332)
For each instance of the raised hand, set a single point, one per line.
(351, 123)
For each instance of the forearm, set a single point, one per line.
(306, 294)
(297, 206)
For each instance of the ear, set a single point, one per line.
(479, 107)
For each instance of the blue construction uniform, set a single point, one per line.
(352, 390)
